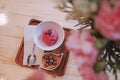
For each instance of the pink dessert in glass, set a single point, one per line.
(49, 37)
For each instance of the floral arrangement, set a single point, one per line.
(96, 50)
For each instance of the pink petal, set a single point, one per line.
(38, 75)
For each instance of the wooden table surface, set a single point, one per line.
(17, 14)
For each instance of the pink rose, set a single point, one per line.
(108, 20)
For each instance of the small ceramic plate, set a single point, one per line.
(48, 25)
(51, 61)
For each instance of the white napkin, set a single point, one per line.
(28, 45)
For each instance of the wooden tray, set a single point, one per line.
(61, 69)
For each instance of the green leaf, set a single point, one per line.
(99, 66)
(100, 43)
(118, 66)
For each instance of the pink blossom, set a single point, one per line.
(38, 75)
(102, 76)
(108, 20)
(81, 44)
(88, 73)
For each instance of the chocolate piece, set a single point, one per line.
(50, 63)
(54, 58)
(50, 57)
(47, 61)
(46, 57)
(54, 62)
(51, 60)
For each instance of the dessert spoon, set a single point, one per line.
(32, 57)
